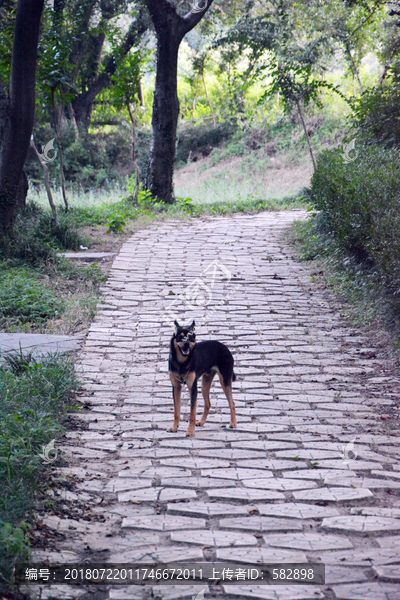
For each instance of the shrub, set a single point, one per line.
(194, 140)
(377, 114)
(36, 237)
(359, 203)
(24, 299)
(95, 159)
(63, 234)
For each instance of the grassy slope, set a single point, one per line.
(267, 163)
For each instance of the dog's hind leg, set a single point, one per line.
(176, 394)
(205, 389)
(227, 387)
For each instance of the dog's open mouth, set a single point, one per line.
(185, 351)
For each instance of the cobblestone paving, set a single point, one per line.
(278, 488)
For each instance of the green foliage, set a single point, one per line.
(359, 286)
(7, 23)
(377, 113)
(359, 206)
(37, 238)
(33, 404)
(24, 299)
(125, 87)
(103, 213)
(95, 160)
(195, 141)
(14, 547)
(116, 224)
(147, 202)
(186, 204)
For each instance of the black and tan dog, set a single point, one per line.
(188, 361)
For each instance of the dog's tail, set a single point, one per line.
(233, 376)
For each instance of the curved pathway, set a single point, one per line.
(312, 472)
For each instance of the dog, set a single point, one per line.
(188, 361)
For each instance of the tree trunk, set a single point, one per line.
(299, 108)
(170, 29)
(164, 121)
(22, 191)
(19, 124)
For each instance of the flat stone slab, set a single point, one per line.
(196, 463)
(308, 541)
(237, 473)
(376, 511)
(256, 523)
(367, 591)
(39, 343)
(363, 482)
(260, 555)
(163, 522)
(210, 509)
(297, 510)
(88, 255)
(333, 494)
(158, 553)
(198, 482)
(361, 524)
(389, 573)
(206, 537)
(293, 592)
(317, 474)
(245, 494)
(361, 558)
(343, 575)
(389, 542)
(282, 485)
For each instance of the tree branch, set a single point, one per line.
(136, 29)
(196, 14)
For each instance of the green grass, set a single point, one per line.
(364, 297)
(37, 284)
(24, 299)
(34, 399)
(104, 212)
(265, 162)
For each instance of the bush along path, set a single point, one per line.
(312, 472)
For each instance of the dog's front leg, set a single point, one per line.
(192, 385)
(176, 394)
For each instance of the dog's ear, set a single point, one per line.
(193, 326)
(176, 327)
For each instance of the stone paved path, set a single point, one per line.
(279, 487)
(38, 343)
